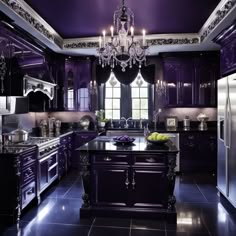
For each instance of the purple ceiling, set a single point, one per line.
(84, 18)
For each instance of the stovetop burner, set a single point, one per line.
(13, 149)
(36, 141)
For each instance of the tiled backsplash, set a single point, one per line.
(180, 113)
(31, 120)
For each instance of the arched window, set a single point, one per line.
(139, 96)
(112, 98)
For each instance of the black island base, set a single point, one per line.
(134, 180)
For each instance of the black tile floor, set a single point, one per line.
(198, 207)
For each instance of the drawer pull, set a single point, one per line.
(28, 159)
(150, 160)
(85, 137)
(133, 180)
(107, 158)
(127, 180)
(30, 192)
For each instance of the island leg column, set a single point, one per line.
(85, 173)
(171, 186)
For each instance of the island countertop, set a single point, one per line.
(106, 143)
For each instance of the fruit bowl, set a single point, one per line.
(157, 139)
(124, 139)
(157, 142)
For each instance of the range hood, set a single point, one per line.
(14, 105)
(31, 84)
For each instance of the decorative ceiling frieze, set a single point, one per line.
(29, 15)
(81, 44)
(173, 41)
(220, 12)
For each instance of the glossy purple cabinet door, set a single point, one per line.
(191, 79)
(227, 40)
(178, 74)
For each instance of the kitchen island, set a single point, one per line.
(131, 180)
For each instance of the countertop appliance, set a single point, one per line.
(226, 124)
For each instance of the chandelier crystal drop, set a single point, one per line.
(122, 48)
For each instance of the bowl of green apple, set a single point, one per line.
(157, 138)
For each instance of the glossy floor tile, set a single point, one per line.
(199, 213)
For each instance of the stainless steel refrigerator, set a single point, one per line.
(226, 161)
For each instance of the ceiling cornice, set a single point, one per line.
(31, 21)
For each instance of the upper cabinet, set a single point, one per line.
(227, 40)
(190, 79)
(77, 84)
(178, 75)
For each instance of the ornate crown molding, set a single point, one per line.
(152, 40)
(22, 9)
(79, 43)
(220, 12)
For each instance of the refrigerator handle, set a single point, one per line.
(226, 123)
(229, 123)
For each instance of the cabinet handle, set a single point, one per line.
(151, 160)
(107, 158)
(127, 180)
(29, 159)
(133, 180)
(84, 137)
(30, 192)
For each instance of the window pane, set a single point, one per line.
(116, 92)
(144, 104)
(144, 92)
(116, 114)
(135, 114)
(85, 92)
(116, 103)
(144, 114)
(108, 103)
(81, 92)
(108, 92)
(86, 103)
(135, 104)
(135, 92)
(108, 114)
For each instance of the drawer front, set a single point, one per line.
(28, 157)
(157, 160)
(28, 193)
(28, 174)
(118, 159)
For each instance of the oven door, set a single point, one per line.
(48, 170)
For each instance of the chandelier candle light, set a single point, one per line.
(122, 49)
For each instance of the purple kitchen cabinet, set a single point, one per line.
(77, 79)
(191, 79)
(178, 74)
(18, 182)
(65, 154)
(80, 138)
(207, 71)
(227, 40)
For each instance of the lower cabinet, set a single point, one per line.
(134, 181)
(80, 138)
(65, 154)
(110, 185)
(198, 152)
(18, 183)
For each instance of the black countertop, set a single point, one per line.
(106, 144)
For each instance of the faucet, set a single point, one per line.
(126, 121)
(156, 118)
(141, 123)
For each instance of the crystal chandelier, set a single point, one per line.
(122, 49)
